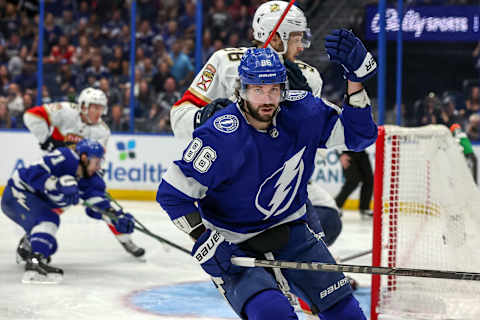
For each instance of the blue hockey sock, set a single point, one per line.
(269, 305)
(43, 243)
(346, 309)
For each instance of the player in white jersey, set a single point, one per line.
(61, 123)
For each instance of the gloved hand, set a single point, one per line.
(63, 191)
(206, 112)
(124, 223)
(345, 48)
(51, 144)
(213, 253)
(296, 79)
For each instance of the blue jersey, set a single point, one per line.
(63, 161)
(246, 180)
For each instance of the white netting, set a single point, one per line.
(430, 220)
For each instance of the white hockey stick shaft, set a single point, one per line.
(327, 267)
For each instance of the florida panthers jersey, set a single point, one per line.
(62, 121)
(245, 180)
(217, 79)
(37, 177)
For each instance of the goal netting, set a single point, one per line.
(427, 215)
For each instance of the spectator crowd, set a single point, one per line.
(87, 43)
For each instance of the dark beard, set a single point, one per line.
(256, 115)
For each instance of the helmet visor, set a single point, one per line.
(307, 38)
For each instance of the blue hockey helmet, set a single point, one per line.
(91, 148)
(261, 66)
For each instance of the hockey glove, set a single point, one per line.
(206, 112)
(124, 223)
(296, 79)
(213, 253)
(51, 144)
(345, 48)
(63, 191)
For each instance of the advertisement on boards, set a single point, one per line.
(426, 23)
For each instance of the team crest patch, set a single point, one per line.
(206, 78)
(227, 123)
(295, 95)
(274, 7)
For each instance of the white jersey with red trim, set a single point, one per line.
(218, 79)
(62, 121)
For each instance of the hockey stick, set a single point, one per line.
(278, 23)
(355, 256)
(140, 228)
(328, 267)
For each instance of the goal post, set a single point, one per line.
(426, 215)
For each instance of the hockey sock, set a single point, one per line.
(269, 305)
(346, 309)
(43, 243)
(42, 238)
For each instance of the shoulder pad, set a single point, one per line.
(295, 95)
(232, 54)
(57, 106)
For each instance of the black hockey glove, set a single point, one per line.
(296, 79)
(206, 112)
(51, 144)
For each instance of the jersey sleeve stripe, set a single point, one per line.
(193, 97)
(188, 186)
(57, 135)
(40, 112)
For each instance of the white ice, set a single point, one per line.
(100, 276)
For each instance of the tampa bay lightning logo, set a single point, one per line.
(227, 123)
(284, 184)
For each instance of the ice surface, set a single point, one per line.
(102, 281)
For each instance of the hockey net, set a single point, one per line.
(427, 216)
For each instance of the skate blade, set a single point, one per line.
(32, 277)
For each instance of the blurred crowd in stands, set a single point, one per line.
(87, 43)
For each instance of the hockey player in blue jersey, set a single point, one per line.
(240, 188)
(37, 194)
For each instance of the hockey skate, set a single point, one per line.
(24, 251)
(132, 248)
(38, 272)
